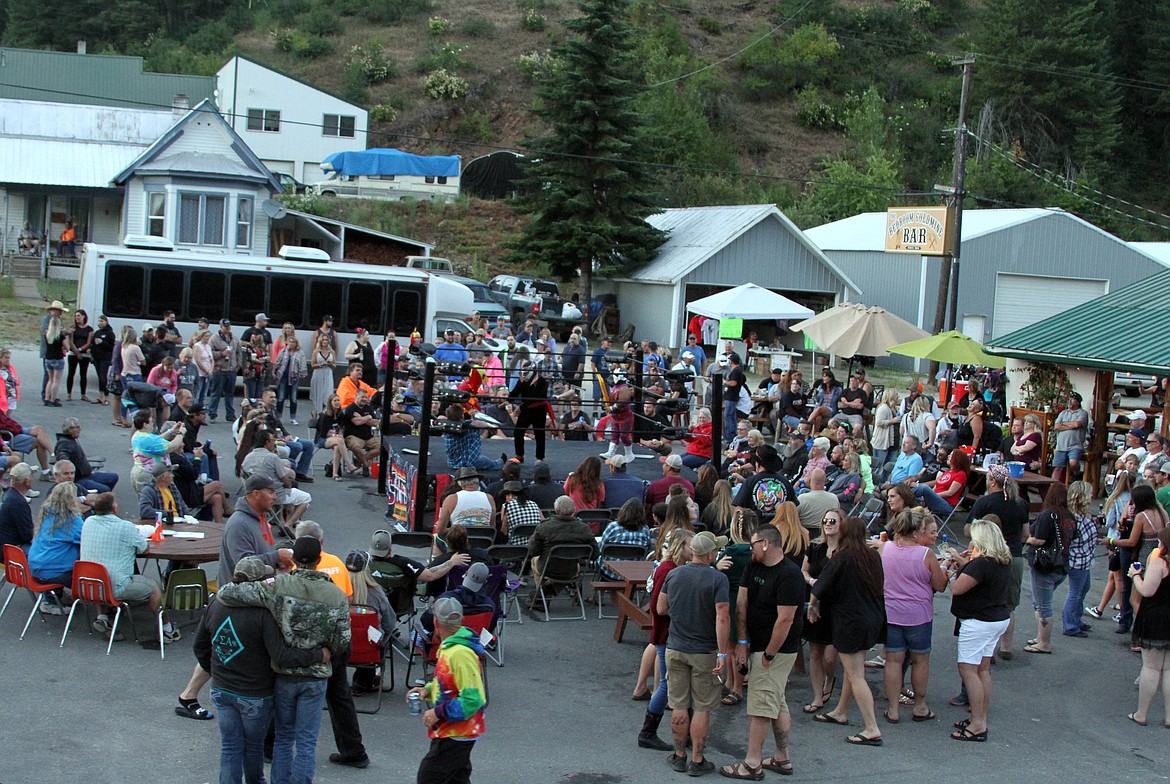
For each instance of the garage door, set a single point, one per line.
(282, 167)
(1021, 300)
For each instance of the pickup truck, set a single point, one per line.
(523, 295)
(432, 264)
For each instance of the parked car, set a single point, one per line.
(523, 295)
(432, 264)
(484, 302)
(290, 184)
(1132, 383)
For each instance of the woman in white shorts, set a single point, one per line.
(980, 593)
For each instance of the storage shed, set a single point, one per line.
(1018, 266)
(710, 249)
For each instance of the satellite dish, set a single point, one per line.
(274, 209)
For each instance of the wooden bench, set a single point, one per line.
(629, 611)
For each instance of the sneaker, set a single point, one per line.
(876, 663)
(1093, 611)
(33, 494)
(295, 423)
(700, 768)
(47, 475)
(677, 763)
(51, 608)
(102, 627)
(1117, 618)
(174, 635)
(959, 701)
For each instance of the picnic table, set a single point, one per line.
(633, 575)
(1028, 482)
(194, 550)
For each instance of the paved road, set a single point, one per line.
(560, 709)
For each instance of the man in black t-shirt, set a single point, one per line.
(733, 381)
(853, 405)
(765, 490)
(259, 327)
(771, 592)
(358, 428)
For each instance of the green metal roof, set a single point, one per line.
(96, 79)
(1127, 330)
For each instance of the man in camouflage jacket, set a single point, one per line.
(312, 612)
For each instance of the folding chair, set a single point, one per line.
(417, 545)
(522, 533)
(364, 653)
(186, 591)
(596, 519)
(476, 622)
(516, 558)
(871, 513)
(567, 556)
(481, 539)
(860, 503)
(91, 586)
(617, 552)
(18, 575)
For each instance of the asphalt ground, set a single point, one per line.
(559, 710)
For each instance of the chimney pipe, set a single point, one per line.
(180, 105)
(81, 46)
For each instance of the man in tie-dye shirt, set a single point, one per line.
(456, 698)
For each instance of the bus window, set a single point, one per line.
(286, 300)
(125, 284)
(246, 298)
(324, 299)
(364, 307)
(406, 313)
(207, 295)
(166, 291)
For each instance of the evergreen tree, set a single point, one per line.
(589, 195)
(1139, 39)
(1042, 86)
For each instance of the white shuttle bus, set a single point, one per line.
(137, 283)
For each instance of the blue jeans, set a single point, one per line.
(933, 501)
(485, 463)
(202, 383)
(1078, 589)
(253, 388)
(1043, 586)
(300, 453)
(657, 704)
(223, 385)
(298, 720)
(286, 391)
(729, 420)
(101, 481)
(694, 461)
(243, 723)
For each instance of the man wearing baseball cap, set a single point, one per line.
(455, 699)
(765, 490)
(238, 646)
(312, 613)
(697, 599)
(659, 489)
(619, 485)
(470, 594)
(225, 355)
(259, 327)
(399, 575)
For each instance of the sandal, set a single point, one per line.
(931, 716)
(84, 398)
(825, 718)
(966, 734)
(743, 771)
(1031, 648)
(891, 719)
(193, 710)
(783, 767)
(813, 707)
(828, 694)
(861, 740)
(961, 724)
(1130, 716)
(732, 698)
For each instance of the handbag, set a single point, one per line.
(1048, 558)
(113, 382)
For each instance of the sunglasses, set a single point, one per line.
(757, 541)
(829, 521)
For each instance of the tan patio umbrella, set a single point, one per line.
(851, 329)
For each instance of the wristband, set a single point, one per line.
(721, 655)
(768, 656)
(744, 642)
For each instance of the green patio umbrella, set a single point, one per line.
(952, 347)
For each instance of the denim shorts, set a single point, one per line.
(915, 639)
(1060, 459)
(54, 364)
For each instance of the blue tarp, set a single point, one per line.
(390, 161)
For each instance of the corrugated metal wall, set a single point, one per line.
(769, 256)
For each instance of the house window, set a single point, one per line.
(429, 180)
(386, 177)
(442, 180)
(244, 223)
(201, 219)
(338, 125)
(156, 213)
(266, 120)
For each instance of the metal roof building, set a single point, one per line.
(1127, 329)
(710, 249)
(1018, 266)
(99, 80)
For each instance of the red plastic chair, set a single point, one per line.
(91, 585)
(365, 653)
(476, 622)
(18, 575)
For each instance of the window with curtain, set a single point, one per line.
(202, 218)
(244, 223)
(156, 213)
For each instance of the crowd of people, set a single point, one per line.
(815, 519)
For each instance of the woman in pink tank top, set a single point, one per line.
(912, 577)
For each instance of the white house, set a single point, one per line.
(291, 125)
(199, 186)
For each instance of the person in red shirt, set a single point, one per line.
(659, 489)
(699, 441)
(943, 494)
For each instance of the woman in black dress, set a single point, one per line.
(822, 665)
(852, 588)
(1151, 629)
(102, 350)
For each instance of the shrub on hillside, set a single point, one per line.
(442, 85)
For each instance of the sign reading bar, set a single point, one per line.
(922, 231)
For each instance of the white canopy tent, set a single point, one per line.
(748, 301)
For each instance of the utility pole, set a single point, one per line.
(948, 278)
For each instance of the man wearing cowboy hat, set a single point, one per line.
(470, 506)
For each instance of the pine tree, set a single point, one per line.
(1043, 82)
(589, 195)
